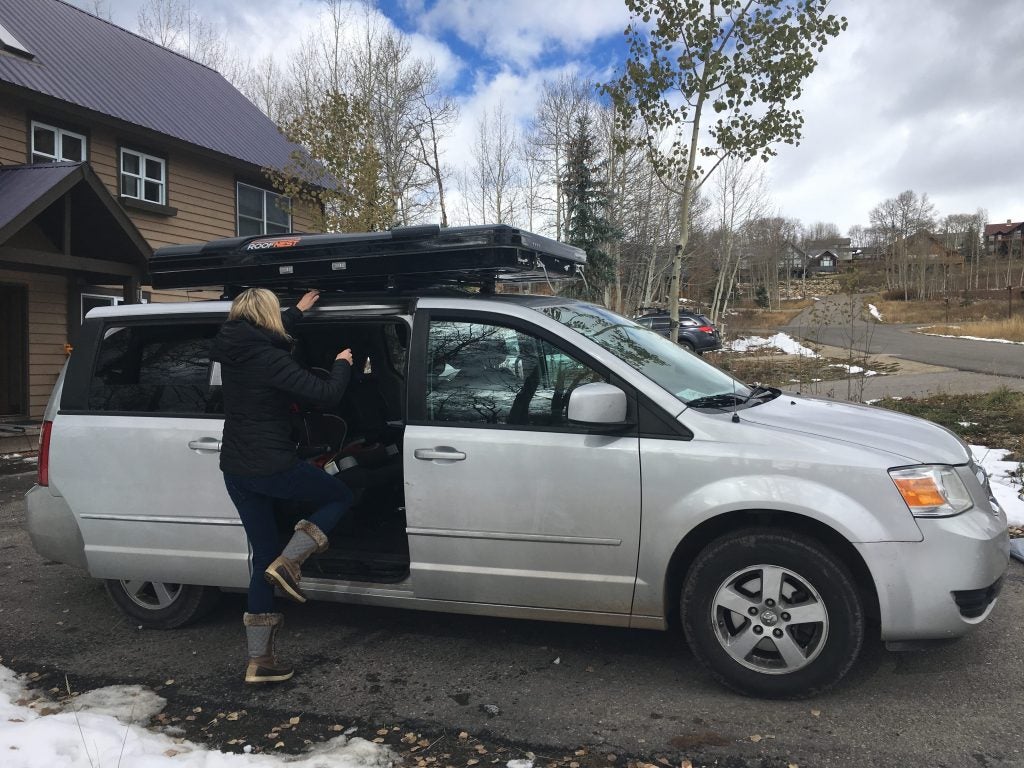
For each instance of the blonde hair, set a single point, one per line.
(261, 308)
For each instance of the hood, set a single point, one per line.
(907, 437)
(239, 341)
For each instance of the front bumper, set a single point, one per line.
(946, 584)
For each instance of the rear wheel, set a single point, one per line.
(772, 614)
(688, 346)
(159, 605)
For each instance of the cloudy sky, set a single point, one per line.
(916, 94)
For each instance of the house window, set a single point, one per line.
(52, 145)
(93, 300)
(262, 212)
(143, 177)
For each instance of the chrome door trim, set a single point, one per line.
(148, 519)
(499, 536)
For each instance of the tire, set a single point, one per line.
(788, 659)
(688, 346)
(156, 605)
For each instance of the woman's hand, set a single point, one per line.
(346, 355)
(306, 302)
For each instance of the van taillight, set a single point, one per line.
(44, 453)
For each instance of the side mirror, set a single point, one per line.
(597, 403)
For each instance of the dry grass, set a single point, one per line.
(777, 369)
(752, 318)
(937, 310)
(1012, 330)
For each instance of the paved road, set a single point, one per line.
(828, 322)
(626, 692)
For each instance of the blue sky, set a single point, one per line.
(916, 94)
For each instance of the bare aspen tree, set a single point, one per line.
(265, 86)
(495, 173)
(437, 116)
(178, 25)
(738, 199)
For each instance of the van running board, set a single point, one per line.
(381, 567)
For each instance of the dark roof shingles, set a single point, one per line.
(22, 185)
(84, 60)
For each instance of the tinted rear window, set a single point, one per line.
(155, 369)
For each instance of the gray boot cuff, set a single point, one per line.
(310, 529)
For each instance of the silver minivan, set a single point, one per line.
(532, 457)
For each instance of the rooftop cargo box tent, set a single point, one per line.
(403, 259)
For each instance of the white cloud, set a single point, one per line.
(519, 33)
(911, 96)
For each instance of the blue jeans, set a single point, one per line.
(254, 498)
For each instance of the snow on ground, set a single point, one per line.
(94, 730)
(781, 341)
(874, 312)
(923, 332)
(1005, 485)
(853, 369)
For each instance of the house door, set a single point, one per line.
(13, 350)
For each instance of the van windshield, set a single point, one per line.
(685, 375)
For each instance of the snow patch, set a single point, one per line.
(1006, 484)
(874, 312)
(127, 703)
(923, 332)
(853, 369)
(781, 341)
(81, 737)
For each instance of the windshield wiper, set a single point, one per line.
(733, 399)
(763, 394)
(722, 400)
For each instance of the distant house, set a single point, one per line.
(839, 247)
(822, 262)
(110, 146)
(925, 245)
(1003, 239)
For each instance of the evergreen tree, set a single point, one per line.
(586, 202)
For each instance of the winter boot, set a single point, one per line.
(286, 571)
(260, 634)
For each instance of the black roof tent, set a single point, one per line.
(400, 259)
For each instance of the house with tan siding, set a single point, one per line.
(110, 146)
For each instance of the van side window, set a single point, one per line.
(490, 374)
(155, 369)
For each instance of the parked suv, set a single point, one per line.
(532, 457)
(696, 332)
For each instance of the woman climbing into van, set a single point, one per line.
(258, 458)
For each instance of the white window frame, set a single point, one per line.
(58, 144)
(141, 176)
(263, 221)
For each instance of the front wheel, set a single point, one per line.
(159, 605)
(775, 615)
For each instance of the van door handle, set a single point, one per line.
(205, 445)
(441, 453)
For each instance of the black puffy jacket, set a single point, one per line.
(260, 382)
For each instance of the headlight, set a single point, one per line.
(932, 491)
